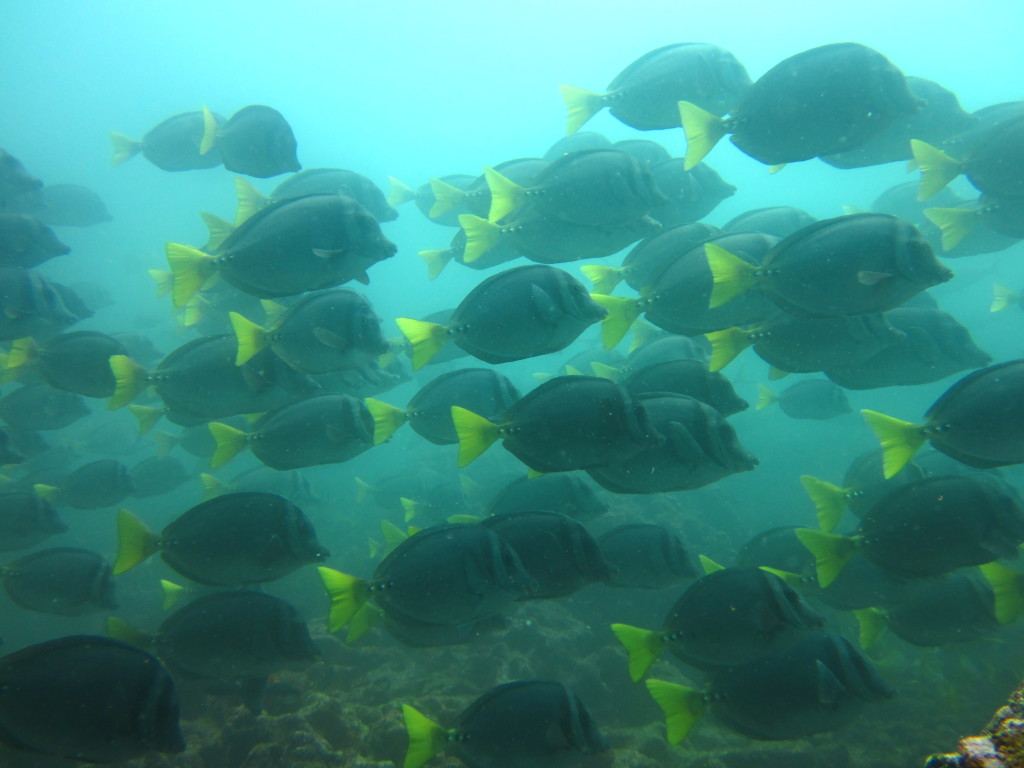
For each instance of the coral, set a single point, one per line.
(1001, 745)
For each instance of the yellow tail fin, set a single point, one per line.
(642, 646)
(703, 130)
(229, 442)
(387, 419)
(191, 269)
(393, 535)
(775, 373)
(955, 223)
(506, 195)
(831, 552)
(581, 105)
(164, 442)
(209, 132)
(398, 192)
(361, 623)
(731, 274)
(425, 338)
(476, 434)
(937, 168)
(426, 738)
(411, 508)
(900, 440)
(347, 593)
(605, 371)
(218, 230)
(765, 397)
(46, 492)
(147, 417)
(871, 623)
(22, 351)
(1002, 297)
(1008, 587)
(436, 260)
(251, 337)
(829, 500)
(212, 487)
(135, 542)
(250, 200)
(363, 490)
(130, 379)
(118, 629)
(124, 148)
(683, 707)
(708, 565)
(164, 281)
(622, 313)
(172, 593)
(725, 345)
(481, 236)
(604, 278)
(446, 197)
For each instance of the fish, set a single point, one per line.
(88, 698)
(556, 550)
(316, 181)
(475, 199)
(986, 225)
(15, 181)
(296, 245)
(31, 305)
(77, 362)
(233, 540)
(779, 221)
(647, 152)
(568, 422)
(810, 399)
(26, 242)
(821, 101)
(645, 556)
(173, 144)
(576, 141)
(65, 581)
(691, 194)
(644, 95)
(96, 485)
(724, 619)
(429, 412)
(566, 493)
(256, 141)
(65, 205)
(291, 484)
(324, 429)
(157, 476)
(37, 407)
(516, 314)
(875, 262)
(686, 377)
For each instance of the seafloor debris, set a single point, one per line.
(1001, 745)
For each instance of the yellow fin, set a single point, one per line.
(164, 442)
(900, 440)
(871, 623)
(506, 195)
(436, 261)
(642, 334)
(172, 593)
(272, 311)
(147, 417)
(135, 542)
(831, 552)
(219, 230)
(937, 168)
(347, 593)
(124, 148)
(773, 169)
(426, 738)
(361, 623)
(571, 370)
(725, 345)
(164, 281)
(463, 519)
(581, 105)
(194, 310)
(251, 337)
(191, 269)
(793, 579)
(363, 490)
(1002, 297)
(775, 373)
(46, 492)
(622, 313)
(708, 565)
(250, 200)
(212, 487)
(604, 278)
(682, 706)
(399, 192)
(22, 351)
(605, 371)
(703, 130)
(955, 223)
(130, 379)
(119, 629)
(425, 338)
(642, 646)
(481, 236)
(393, 535)
(1008, 587)
(412, 508)
(829, 500)
(476, 434)
(765, 397)
(731, 274)
(446, 197)
(387, 419)
(229, 442)
(209, 132)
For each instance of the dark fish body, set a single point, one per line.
(645, 556)
(995, 165)
(451, 575)
(37, 407)
(547, 240)
(938, 524)
(934, 346)
(850, 265)
(64, 581)
(27, 242)
(649, 258)
(325, 429)
(156, 476)
(700, 448)
(31, 305)
(644, 95)
(686, 377)
(67, 205)
(577, 422)
(425, 199)
(691, 194)
(967, 141)
(173, 145)
(778, 221)
(79, 362)
(240, 538)
(563, 492)
(957, 608)
(645, 151)
(554, 549)
(777, 548)
(820, 102)
(88, 698)
(523, 171)
(302, 244)
(814, 399)
(96, 485)
(575, 142)
(26, 520)
(290, 484)
(257, 141)
(523, 312)
(867, 482)
(667, 347)
(483, 391)
(337, 181)
(15, 181)
(817, 685)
